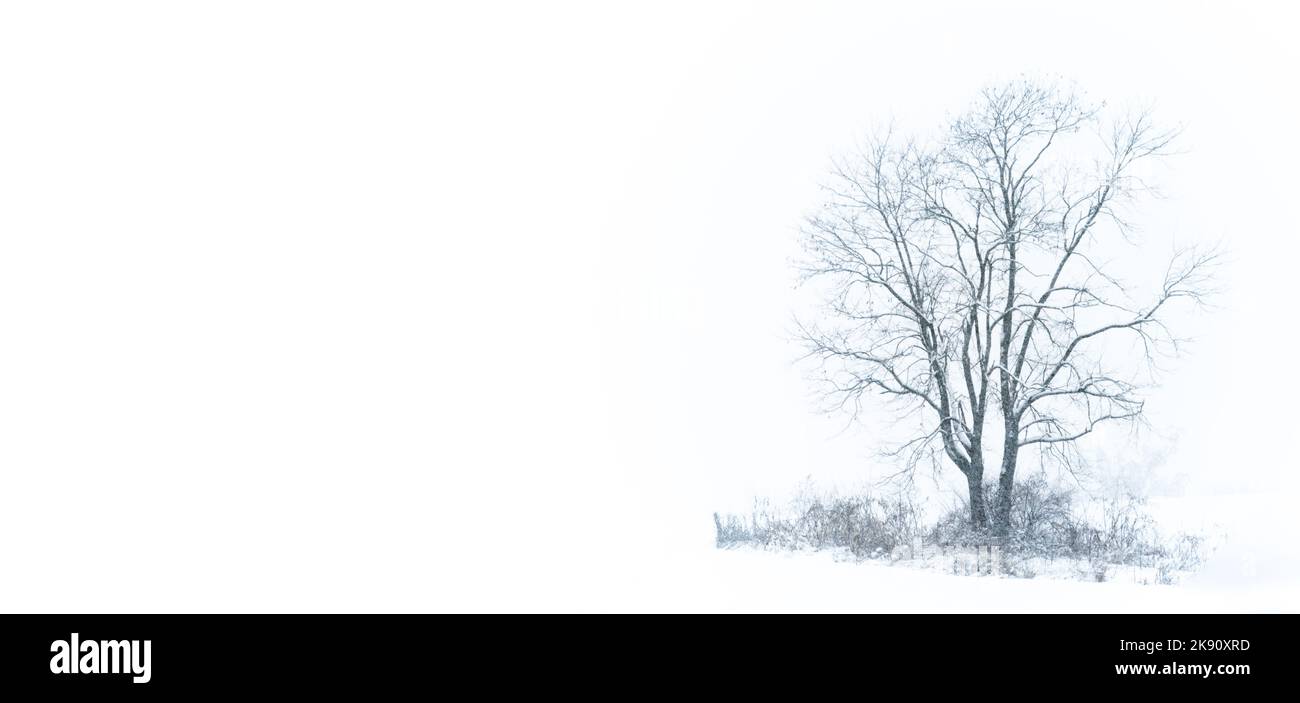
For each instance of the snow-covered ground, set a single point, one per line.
(1254, 569)
(747, 580)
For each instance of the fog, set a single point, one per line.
(311, 306)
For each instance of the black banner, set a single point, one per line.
(983, 655)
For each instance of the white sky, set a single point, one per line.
(339, 305)
(714, 203)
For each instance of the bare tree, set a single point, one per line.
(964, 270)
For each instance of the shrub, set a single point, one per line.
(1045, 524)
(865, 526)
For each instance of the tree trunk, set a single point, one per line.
(1006, 485)
(979, 519)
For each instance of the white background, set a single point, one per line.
(414, 306)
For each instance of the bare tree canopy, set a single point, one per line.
(961, 281)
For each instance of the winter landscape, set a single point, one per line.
(724, 306)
